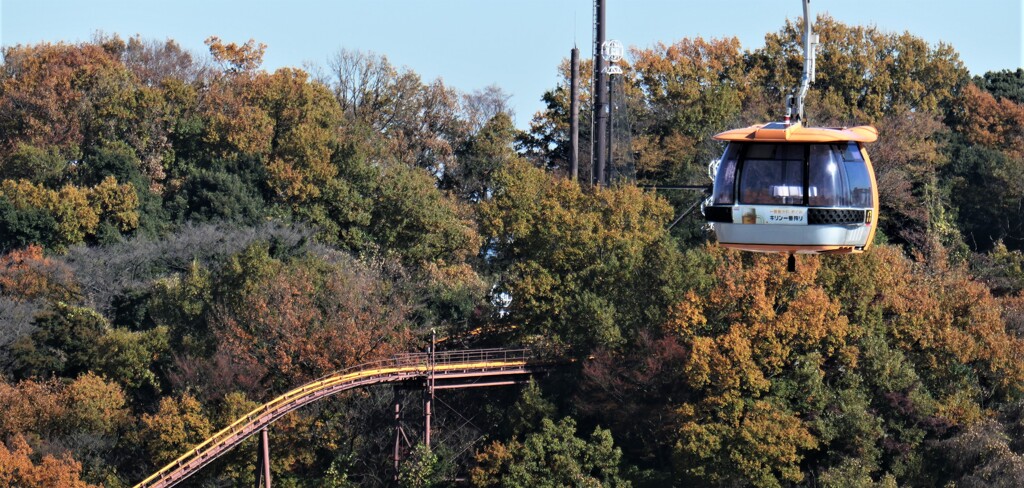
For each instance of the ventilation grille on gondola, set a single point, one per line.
(718, 214)
(827, 216)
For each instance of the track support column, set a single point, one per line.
(263, 461)
(429, 393)
(426, 413)
(398, 433)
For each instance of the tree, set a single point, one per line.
(743, 340)
(1003, 84)
(291, 322)
(834, 369)
(364, 83)
(993, 123)
(211, 196)
(18, 469)
(76, 212)
(1003, 271)
(69, 208)
(983, 184)
(129, 206)
(305, 120)
(24, 226)
(570, 263)
(36, 164)
(691, 90)
(64, 344)
(26, 274)
(235, 58)
(483, 155)
(115, 205)
(947, 319)
(97, 406)
(419, 121)
(43, 92)
(643, 386)
(229, 123)
(412, 220)
(547, 143)
(176, 426)
(763, 449)
(550, 457)
(154, 62)
(61, 101)
(81, 419)
(422, 469)
(133, 356)
(483, 105)
(981, 456)
(529, 410)
(36, 408)
(907, 163)
(70, 341)
(864, 72)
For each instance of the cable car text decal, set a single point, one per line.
(770, 215)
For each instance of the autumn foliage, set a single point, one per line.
(299, 321)
(184, 236)
(18, 469)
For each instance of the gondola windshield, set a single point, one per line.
(817, 175)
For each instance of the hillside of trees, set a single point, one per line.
(184, 236)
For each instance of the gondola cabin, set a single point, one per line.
(794, 189)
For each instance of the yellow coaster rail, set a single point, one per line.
(444, 365)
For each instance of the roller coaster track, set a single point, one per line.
(446, 366)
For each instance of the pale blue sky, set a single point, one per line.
(516, 44)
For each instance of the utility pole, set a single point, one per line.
(574, 112)
(601, 96)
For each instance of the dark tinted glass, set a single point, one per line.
(825, 176)
(725, 179)
(860, 185)
(858, 178)
(773, 174)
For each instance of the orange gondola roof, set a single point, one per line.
(780, 132)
